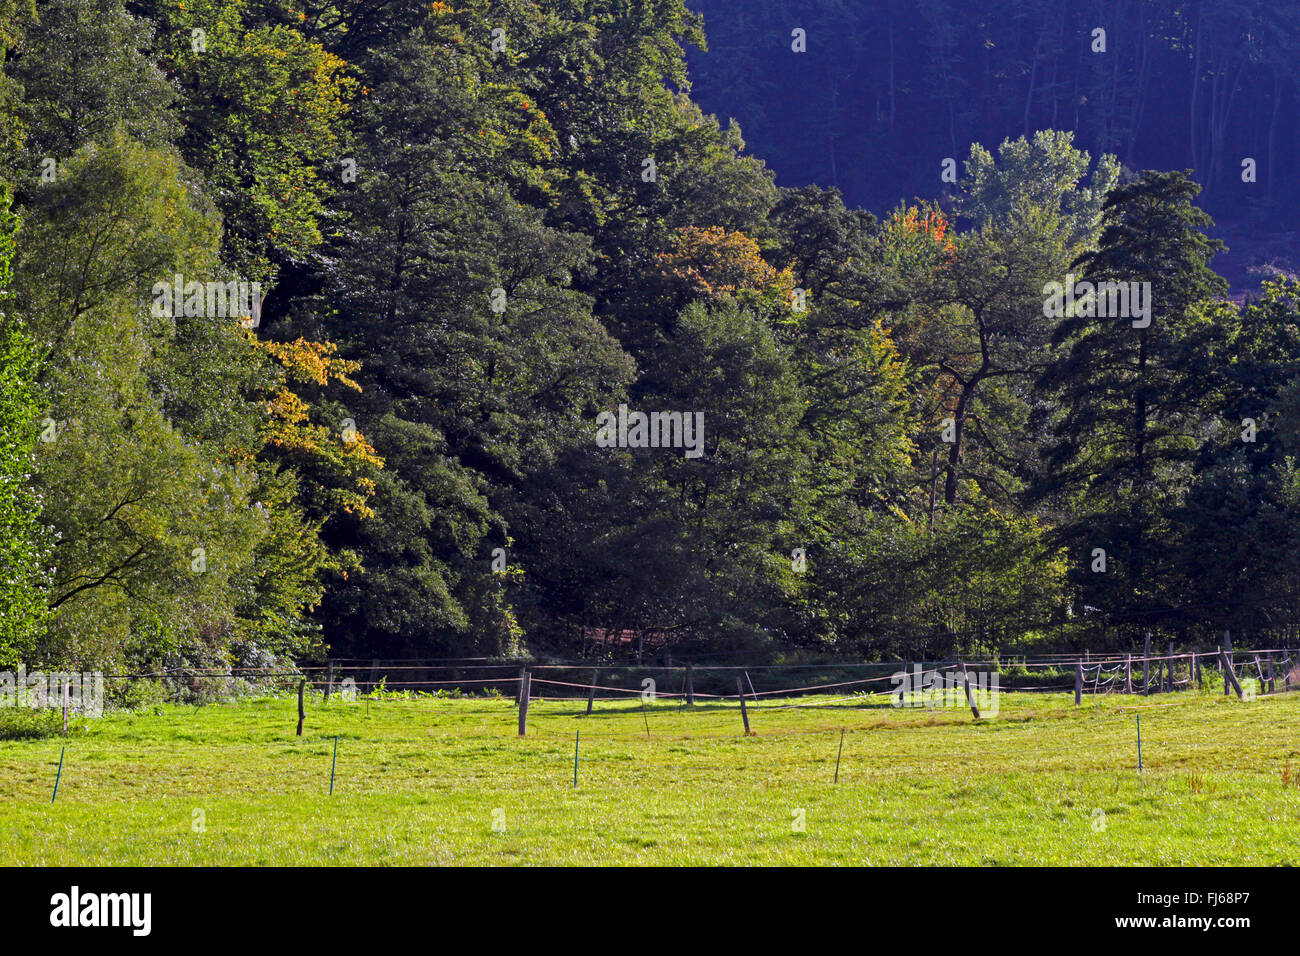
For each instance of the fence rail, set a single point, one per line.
(1146, 673)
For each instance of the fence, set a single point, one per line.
(1142, 674)
(718, 702)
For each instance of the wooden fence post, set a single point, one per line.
(302, 713)
(744, 714)
(1128, 673)
(1169, 671)
(1078, 683)
(1229, 676)
(1146, 665)
(519, 691)
(525, 692)
(970, 698)
(1227, 646)
(1272, 686)
(1196, 663)
(591, 691)
(690, 685)
(1225, 663)
(329, 681)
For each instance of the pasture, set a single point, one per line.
(447, 781)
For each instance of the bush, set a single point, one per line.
(26, 723)
(134, 694)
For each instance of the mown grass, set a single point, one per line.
(424, 782)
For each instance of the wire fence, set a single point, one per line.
(1243, 671)
(710, 703)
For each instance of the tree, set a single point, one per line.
(678, 540)
(1132, 392)
(480, 358)
(261, 108)
(84, 74)
(1231, 557)
(22, 552)
(167, 473)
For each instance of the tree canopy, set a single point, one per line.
(461, 330)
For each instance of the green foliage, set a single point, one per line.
(14, 15)
(27, 723)
(168, 535)
(475, 245)
(1133, 397)
(1045, 173)
(1231, 557)
(260, 108)
(22, 552)
(84, 73)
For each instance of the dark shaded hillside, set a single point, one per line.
(887, 90)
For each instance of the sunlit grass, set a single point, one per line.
(417, 782)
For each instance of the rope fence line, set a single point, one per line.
(388, 666)
(1145, 674)
(1023, 723)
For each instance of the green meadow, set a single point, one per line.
(449, 782)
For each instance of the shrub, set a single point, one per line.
(27, 723)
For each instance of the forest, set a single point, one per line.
(473, 329)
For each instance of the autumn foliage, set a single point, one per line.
(713, 262)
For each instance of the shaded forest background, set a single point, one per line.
(886, 91)
(483, 223)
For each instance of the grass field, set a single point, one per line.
(424, 782)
